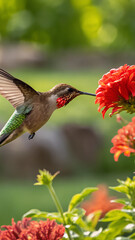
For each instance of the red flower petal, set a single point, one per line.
(32, 230)
(124, 141)
(100, 201)
(117, 90)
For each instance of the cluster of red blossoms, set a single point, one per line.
(124, 142)
(32, 230)
(116, 90)
(100, 201)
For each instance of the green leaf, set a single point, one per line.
(118, 226)
(88, 238)
(75, 214)
(35, 213)
(76, 229)
(32, 213)
(80, 212)
(132, 236)
(130, 212)
(93, 218)
(78, 198)
(122, 238)
(129, 228)
(120, 188)
(76, 217)
(114, 215)
(127, 187)
(122, 201)
(96, 233)
(107, 234)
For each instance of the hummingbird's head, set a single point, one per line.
(64, 93)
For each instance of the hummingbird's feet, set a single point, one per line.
(31, 136)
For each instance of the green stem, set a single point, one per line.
(58, 205)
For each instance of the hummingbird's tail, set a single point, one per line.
(8, 137)
(13, 128)
(3, 137)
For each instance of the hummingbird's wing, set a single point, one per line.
(14, 90)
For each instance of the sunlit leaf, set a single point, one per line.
(122, 201)
(78, 198)
(115, 215)
(132, 236)
(122, 238)
(76, 217)
(35, 213)
(93, 218)
(129, 227)
(32, 213)
(96, 233)
(77, 229)
(120, 188)
(118, 226)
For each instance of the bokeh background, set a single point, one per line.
(46, 42)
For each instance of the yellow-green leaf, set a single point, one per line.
(78, 198)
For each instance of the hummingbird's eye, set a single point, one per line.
(70, 90)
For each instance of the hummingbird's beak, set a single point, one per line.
(85, 93)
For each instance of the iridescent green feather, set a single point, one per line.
(14, 122)
(16, 119)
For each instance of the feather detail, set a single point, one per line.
(3, 137)
(13, 123)
(14, 90)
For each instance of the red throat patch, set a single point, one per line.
(61, 102)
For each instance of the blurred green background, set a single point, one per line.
(106, 24)
(46, 42)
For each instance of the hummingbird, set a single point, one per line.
(32, 108)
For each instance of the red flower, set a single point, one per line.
(100, 201)
(117, 90)
(32, 230)
(13, 232)
(124, 142)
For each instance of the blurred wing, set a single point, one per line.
(14, 90)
